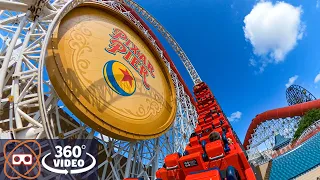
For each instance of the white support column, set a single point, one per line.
(13, 6)
(8, 55)
(134, 170)
(128, 165)
(16, 78)
(140, 165)
(155, 162)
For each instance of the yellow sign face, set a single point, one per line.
(109, 75)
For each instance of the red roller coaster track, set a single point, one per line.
(165, 54)
(205, 158)
(213, 151)
(289, 111)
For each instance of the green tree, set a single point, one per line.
(307, 120)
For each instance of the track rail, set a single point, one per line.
(26, 30)
(213, 151)
(307, 133)
(173, 43)
(289, 111)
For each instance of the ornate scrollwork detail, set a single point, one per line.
(152, 106)
(79, 44)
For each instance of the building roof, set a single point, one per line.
(280, 141)
(298, 161)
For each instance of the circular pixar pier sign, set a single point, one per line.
(109, 75)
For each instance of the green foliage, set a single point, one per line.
(309, 118)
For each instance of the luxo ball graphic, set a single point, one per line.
(119, 78)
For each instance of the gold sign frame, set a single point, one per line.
(96, 101)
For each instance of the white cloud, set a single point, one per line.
(252, 62)
(317, 78)
(292, 80)
(273, 30)
(235, 116)
(318, 4)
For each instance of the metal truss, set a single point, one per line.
(296, 94)
(30, 108)
(262, 140)
(173, 43)
(313, 127)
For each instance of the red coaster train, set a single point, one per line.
(213, 152)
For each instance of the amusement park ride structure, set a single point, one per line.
(31, 109)
(296, 94)
(260, 138)
(213, 151)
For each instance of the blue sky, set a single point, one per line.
(212, 35)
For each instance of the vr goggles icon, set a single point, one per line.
(17, 159)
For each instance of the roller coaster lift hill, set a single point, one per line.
(213, 150)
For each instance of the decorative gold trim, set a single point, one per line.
(84, 111)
